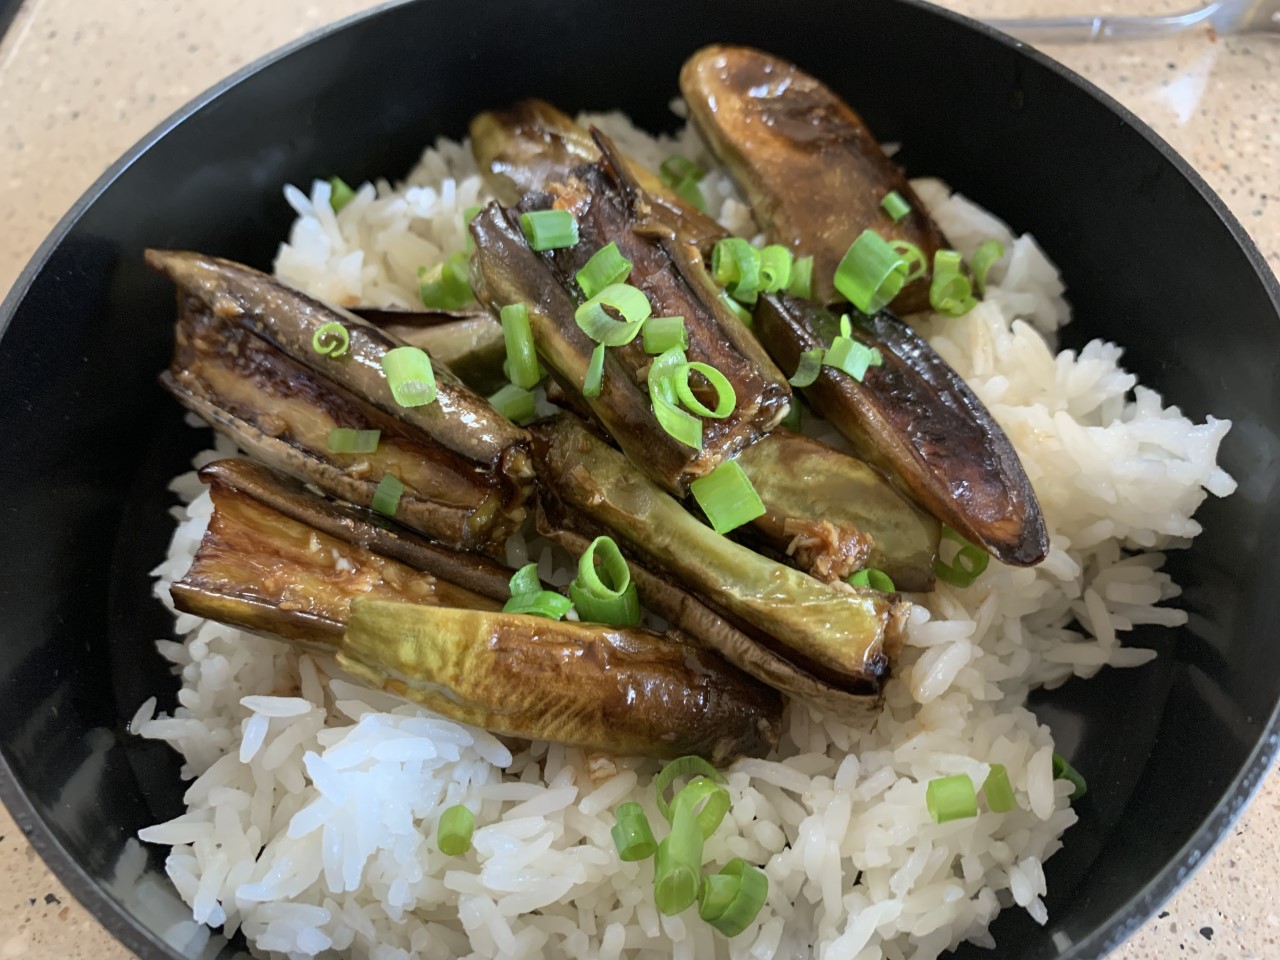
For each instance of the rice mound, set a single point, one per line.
(311, 814)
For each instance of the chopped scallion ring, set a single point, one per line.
(895, 206)
(737, 309)
(454, 830)
(447, 285)
(595, 321)
(726, 396)
(340, 193)
(852, 357)
(517, 334)
(809, 367)
(543, 603)
(873, 579)
(871, 273)
(689, 191)
(1062, 770)
(674, 770)
(549, 229)
(951, 798)
(410, 376)
(662, 333)
(998, 790)
(707, 799)
(515, 403)
(605, 267)
(727, 497)
(331, 339)
(676, 168)
(950, 292)
(678, 423)
(984, 258)
(348, 440)
(801, 282)
(731, 899)
(775, 268)
(606, 595)
(735, 265)
(525, 580)
(632, 835)
(386, 498)
(593, 382)
(677, 868)
(966, 566)
(917, 265)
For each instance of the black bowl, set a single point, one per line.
(87, 440)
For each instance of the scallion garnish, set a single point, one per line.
(984, 258)
(454, 830)
(606, 595)
(630, 302)
(689, 191)
(707, 799)
(348, 440)
(605, 267)
(873, 579)
(676, 168)
(737, 309)
(678, 423)
(331, 339)
(872, 273)
(801, 282)
(775, 268)
(410, 376)
(677, 869)
(917, 265)
(340, 193)
(732, 899)
(662, 333)
(446, 286)
(950, 292)
(525, 580)
(515, 403)
(386, 498)
(517, 335)
(673, 771)
(632, 835)
(726, 396)
(895, 205)
(852, 357)
(808, 368)
(1062, 770)
(549, 229)
(593, 382)
(998, 790)
(727, 497)
(951, 798)
(528, 597)
(735, 265)
(966, 566)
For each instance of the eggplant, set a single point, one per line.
(915, 419)
(622, 690)
(280, 560)
(838, 636)
(814, 174)
(835, 515)
(468, 342)
(243, 360)
(531, 144)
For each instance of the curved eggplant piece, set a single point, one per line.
(469, 343)
(843, 638)
(622, 690)
(282, 412)
(294, 572)
(915, 419)
(835, 515)
(531, 144)
(814, 174)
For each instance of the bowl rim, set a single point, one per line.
(1122, 921)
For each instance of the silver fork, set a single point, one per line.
(1224, 16)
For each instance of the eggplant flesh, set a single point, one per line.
(469, 343)
(622, 690)
(916, 419)
(260, 569)
(814, 174)
(835, 515)
(842, 637)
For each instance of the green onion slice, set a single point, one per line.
(454, 830)
(595, 321)
(917, 265)
(677, 868)
(549, 229)
(409, 374)
(984, 258)
(606, 595)
(895, 206)
(689, 191)
(727, 497)
(331, 339)
(732, 899)
(340, 193)
(708, 800)
(515, 403)
(951, 798)
(662, 333)
(873, 579)
(632, 834)
(525, 580)
(1062, 770)
(447, 285)
(950, 292)
(676, 168)
(998, 790)
(775, 268)
(593, 382)
(606, 266)
(386, 498)
(735, 265)
(347, 440)
(801, 282)
(809, 367)
(737, 309)
(871, 273)
(966, 566)
(852, 357)
(792, 420)
(726, 396)
(517, 334)
(673, 771)
(678, 423)
(543, 603)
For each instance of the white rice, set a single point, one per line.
(311, 812)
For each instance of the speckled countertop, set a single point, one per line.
(81, 80)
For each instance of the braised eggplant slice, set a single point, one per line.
(843, 637)
(282, 412)
(623, 690)
(293, 572)
(835, 515)
(469, 343)
(531, 144)
(814, 174)
(915, 419)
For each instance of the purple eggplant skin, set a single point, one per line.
(915, 419)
